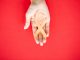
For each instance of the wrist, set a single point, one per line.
(37, 1)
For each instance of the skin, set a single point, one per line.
(39, 22)
(38, 15)
(36, 1)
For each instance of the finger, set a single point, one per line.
(36, 39)
(41, 43)
(34, 29)
(28, 17)
(41, 39)
(44, 28)
(47, 29)
(27, 24)
(44, 38)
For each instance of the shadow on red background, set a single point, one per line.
(18, 44)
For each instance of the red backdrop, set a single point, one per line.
(18, 44)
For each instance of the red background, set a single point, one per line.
(18, 44)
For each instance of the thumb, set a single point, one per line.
(27, 24)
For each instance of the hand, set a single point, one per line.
(40, 20)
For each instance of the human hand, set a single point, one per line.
(40, 21)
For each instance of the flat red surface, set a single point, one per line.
(18, 44)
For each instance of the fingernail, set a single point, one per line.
(37, 42)
(25, 27)
(41, 44)
(47, 35)
(44, 41)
